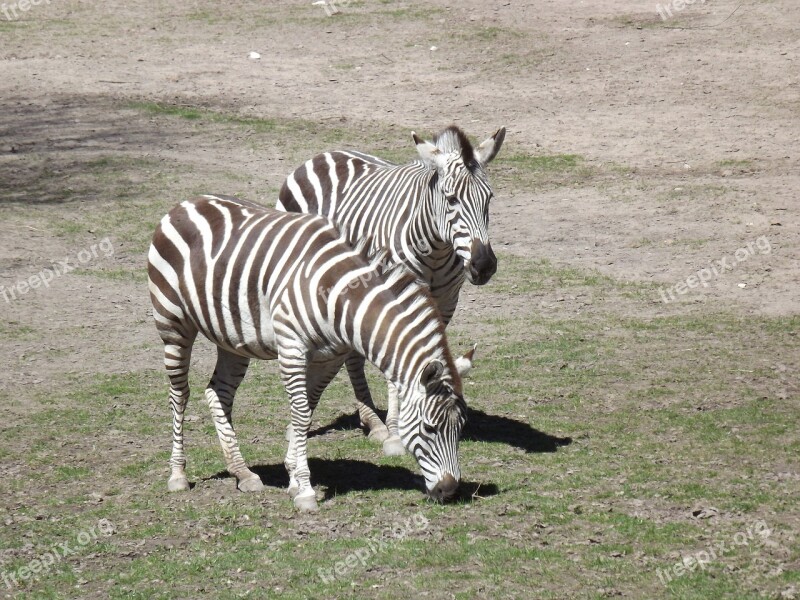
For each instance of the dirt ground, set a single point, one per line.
(685, 132)
(693, 122)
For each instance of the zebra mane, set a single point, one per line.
(453, 139)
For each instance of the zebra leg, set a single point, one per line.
(366, 408)
(305, 382)
(228, 374)
(293, 373)
(177, 357)
(392, 446)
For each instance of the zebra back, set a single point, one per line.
(252, 279)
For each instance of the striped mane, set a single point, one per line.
(453, 139)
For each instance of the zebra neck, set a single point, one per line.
(422, 246)
(399, 331)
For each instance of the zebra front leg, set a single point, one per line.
(393, 446)
(366, 408)
(228, 374)
(176, 360)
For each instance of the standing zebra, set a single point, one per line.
(432, 215)
(248, 278)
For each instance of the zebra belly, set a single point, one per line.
(252, 338)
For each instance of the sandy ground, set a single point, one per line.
(692, 125)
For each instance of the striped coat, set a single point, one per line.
(263, 284)
(432, 215)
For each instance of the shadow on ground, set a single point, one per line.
(341, 476)
(480, 427)
(52, 152)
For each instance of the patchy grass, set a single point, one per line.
(128, 275)
(545, 170)
(526, 277)
(14, 330)
(545, 163)
(734, 162)
(668, 415)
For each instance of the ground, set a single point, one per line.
(633, 412)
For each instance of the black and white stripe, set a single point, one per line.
(265, 284)
(431, 215)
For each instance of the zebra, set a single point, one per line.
(249, 279)
(432, 215)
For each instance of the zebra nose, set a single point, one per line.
(482, 263)
(445, 489)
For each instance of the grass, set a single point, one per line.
(316, 134)
(125, 275)
(617, 502)
(544, 170)
(13, 330)
(733, 162)
(669, 411)
(526, 277)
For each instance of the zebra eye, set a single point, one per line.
(452, 200)
(429, 429)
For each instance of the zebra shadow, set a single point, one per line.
(480, 427)
(342, 476)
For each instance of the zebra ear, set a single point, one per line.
(486, 152)
(464, 363)
(429, 153)
(432, 373)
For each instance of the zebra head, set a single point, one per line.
(461, 196)
(432, 416)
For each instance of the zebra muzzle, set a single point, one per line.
(482, 263)
(446, 489)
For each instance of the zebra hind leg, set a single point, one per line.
(366, 408)
(228, 374)
(177, 356)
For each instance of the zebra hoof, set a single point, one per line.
(306, 504)
(178, 483)
(251, 484)
(378, 435)
(393, 447)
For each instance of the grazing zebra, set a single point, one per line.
(249, 279)
(432, 215)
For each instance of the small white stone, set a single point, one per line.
(434, 48)
(254, 56)
(742, 285)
